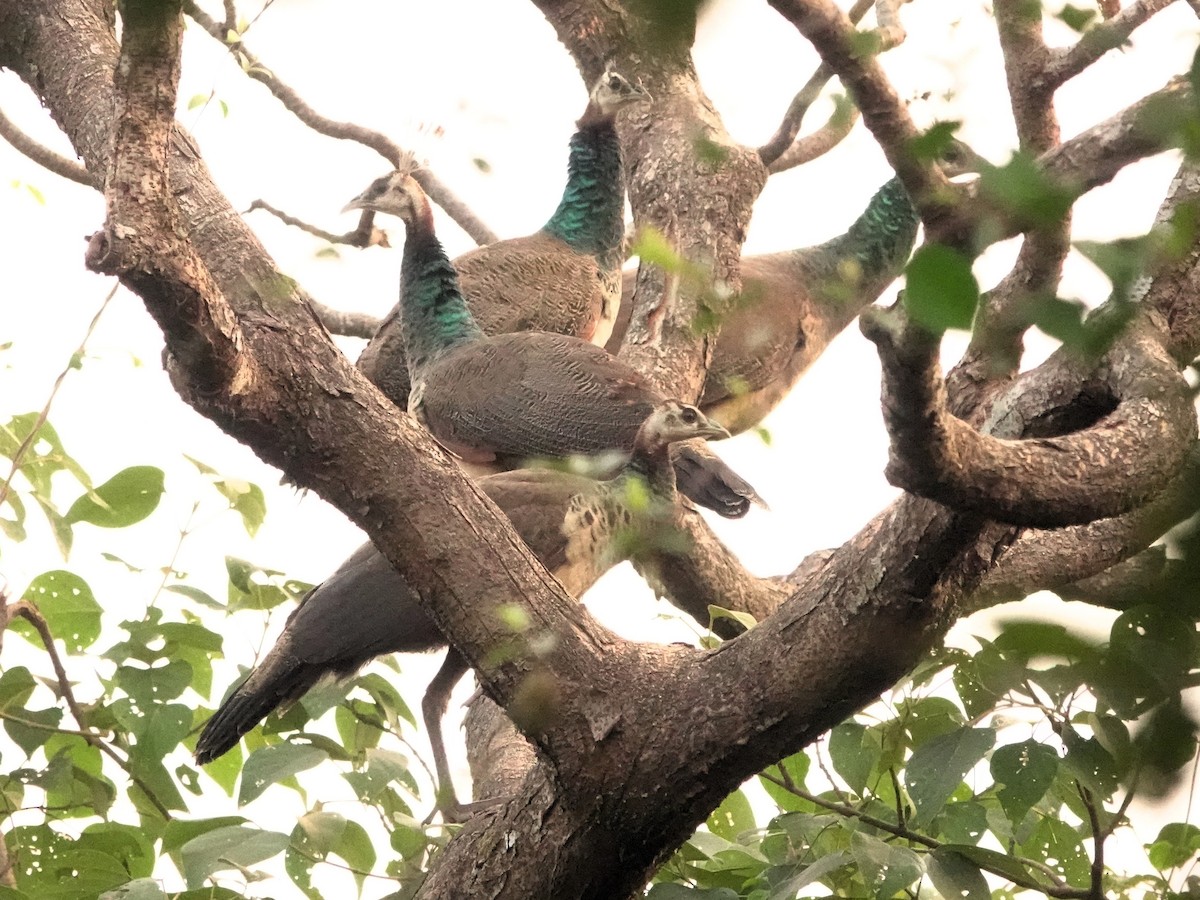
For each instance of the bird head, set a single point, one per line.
(959, 158)
(675, 421)
(613, 92)
(396, 193)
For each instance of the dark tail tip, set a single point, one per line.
(706, 480)
(252, 702)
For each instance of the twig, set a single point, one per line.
(1066, 63)
(365, 233)
(43, 156)
(838, 43)
(230, 14)
(781, 142)
(31, 438)
(1097, 875)
(31, 614)
(348, 131)
(1059, 889)
(820, 142)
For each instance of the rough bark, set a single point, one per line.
(635, 744)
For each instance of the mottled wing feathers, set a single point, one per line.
(533, 394)
(536, 501)
(533, 283)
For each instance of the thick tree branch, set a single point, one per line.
(1055, 560)
(1174, 290)
(43, 156)
(347, 131)
(1092, 473)
(1064, 64)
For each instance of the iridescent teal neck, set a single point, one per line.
(591, 216)
(881, 239)
(434, 315)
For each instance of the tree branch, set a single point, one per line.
(348, 131)
(839, 45)
(1064, 64)
(1092, 473)
(1066, 560)
(43, 156)
(820, 142)
(781, 143)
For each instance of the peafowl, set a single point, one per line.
(565, 277)
(797, 298)
(579, 528)
(495, 402)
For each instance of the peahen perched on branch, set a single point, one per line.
(579, 528)
(495, 402)
(566, 276)
(794, 302)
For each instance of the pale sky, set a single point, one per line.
(492, 77)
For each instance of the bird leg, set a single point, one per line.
(433, 708)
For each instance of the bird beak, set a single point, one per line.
(359, 202)
(641, 95)
(711, 431)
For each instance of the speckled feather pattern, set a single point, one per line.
(764, 333)
(564, 278)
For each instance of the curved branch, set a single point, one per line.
(781, 141)
(820, 142)
(348, 131)
(43, 156)
(1064, 64)
(1054, 560)
(365, 233)
(1096, 472)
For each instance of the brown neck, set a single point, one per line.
(594, 117)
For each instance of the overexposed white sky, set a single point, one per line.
(461, 80)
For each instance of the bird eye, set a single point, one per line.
(688, 414)
(614, 82)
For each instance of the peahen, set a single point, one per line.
(565, 277)
(794, 302)
(579, 528)
(497, 401)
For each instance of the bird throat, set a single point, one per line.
(591, 215)
(434, 316)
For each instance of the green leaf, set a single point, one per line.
(131, 845)
(933, 144)
(854, 753)
(141, 889)
(247, 500)
(272, 764)
(1056, 844)
(930, 717)
(230, 847)
(1076, 18)
(156, 684)
(953, 875)
(128, 497)
(1025, 193)
(68, 606)
(991, 861)
(1060, 319)
(1023, 773)
(938, 768)
(885, 868)
(1175, 845)
(940, 290)
(732, 818)
(744, 619)
(681, 892)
